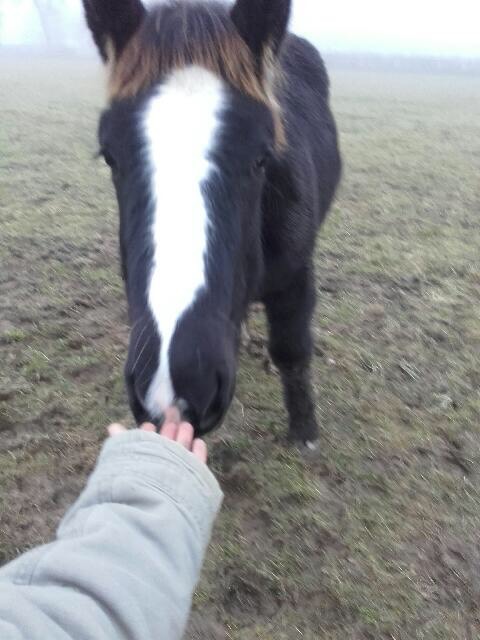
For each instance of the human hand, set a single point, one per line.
(173, 429)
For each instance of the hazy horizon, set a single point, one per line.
(405, 28)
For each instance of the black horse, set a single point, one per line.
(224, 155)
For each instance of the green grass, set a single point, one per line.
(377, 536)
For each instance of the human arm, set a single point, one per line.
(127, 555)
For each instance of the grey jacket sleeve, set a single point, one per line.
(127, 555)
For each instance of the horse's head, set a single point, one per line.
(190, 132)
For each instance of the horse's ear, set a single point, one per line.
(113, 23)
(262, 23)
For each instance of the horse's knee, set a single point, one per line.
(291, 349)
(292, 353)
(290, 315)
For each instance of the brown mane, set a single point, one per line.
(180, 34)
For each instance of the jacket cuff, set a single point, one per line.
(174, 470)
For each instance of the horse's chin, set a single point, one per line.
(208, 427)
(201, 427)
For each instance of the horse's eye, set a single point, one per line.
(261, 162)
(109, 159)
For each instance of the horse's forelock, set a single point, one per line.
(182, 34)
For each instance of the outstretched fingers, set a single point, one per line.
(180, 432)
(200, 450)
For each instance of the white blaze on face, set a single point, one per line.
(181, 123)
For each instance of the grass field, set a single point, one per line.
(377, 537)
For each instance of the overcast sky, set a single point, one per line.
(445, 27)
(450, 27)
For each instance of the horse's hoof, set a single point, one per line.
(306, 447)
(309, 450)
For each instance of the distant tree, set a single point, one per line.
(2, 9)
(49, 12)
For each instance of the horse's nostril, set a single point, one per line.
(218, 398)
(215, 411)
(136, 405)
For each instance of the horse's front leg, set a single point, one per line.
(289, 314)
